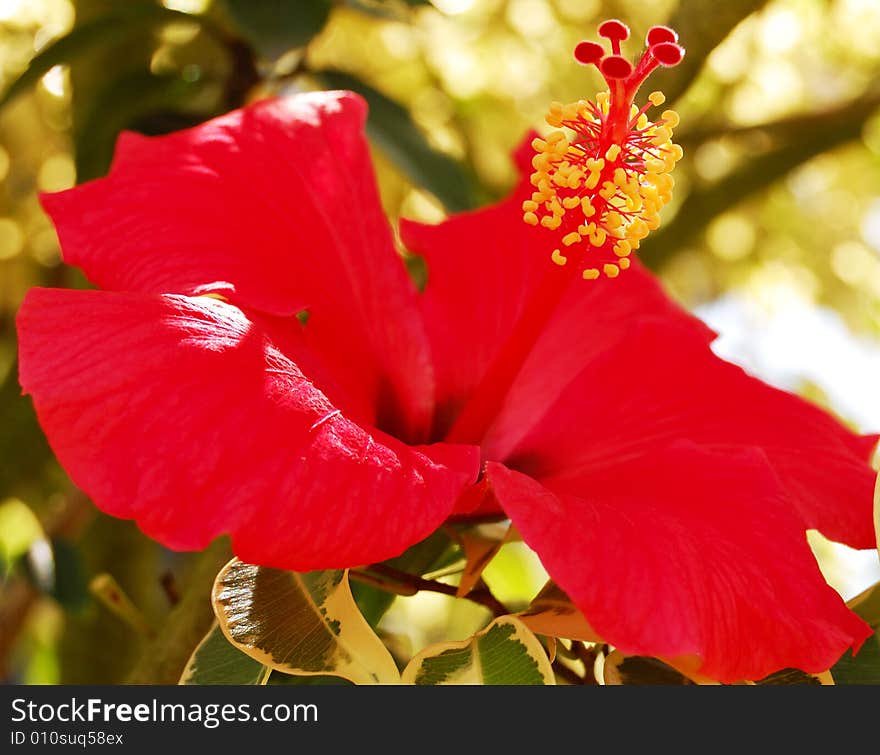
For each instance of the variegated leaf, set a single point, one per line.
(622, 669)
(300, 623)
(505, 652)
(216, 661)
(864, 666)
(796, 676)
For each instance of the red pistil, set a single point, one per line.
(594, 190)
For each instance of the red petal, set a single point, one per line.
(687, 553)
(181, 414)
(482, 268)
(661, 383)
(276, 207)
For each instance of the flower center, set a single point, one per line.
(602, 179)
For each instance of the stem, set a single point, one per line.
(403, 583)
(163, 659)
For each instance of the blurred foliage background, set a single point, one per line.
(774, 236)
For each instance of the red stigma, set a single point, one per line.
(588, 53)
(615, 67)
(658, 34)
(613, 29)
(622, 77)
(667, 53)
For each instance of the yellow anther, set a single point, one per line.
(661, 136)
(622, 248)
(541, 162)
(608, 190)
(587, 207)
(671, 118)
(664, 183)
(569, 112)
(634, 203)
(637, 230)
(652, 220)
(620, 191)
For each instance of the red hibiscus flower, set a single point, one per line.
(665, 490)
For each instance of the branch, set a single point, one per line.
(801, 138)
(702, 26)
(403, 583)
(164, 658)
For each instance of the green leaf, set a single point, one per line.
(70, 585)
(115, 26)
(505, 652)
(702, 26)
(216, 661)
(864, 667)
(392, 129)
(276, 26)
(796, 676)
(417, 559)
(118, 107)
(393, 9)
(300, 623)
(640, 670)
